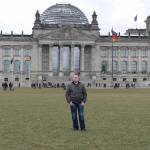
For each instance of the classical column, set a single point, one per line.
(40, 58)
(97, 59)
(139, 62)
(21, 67)
(12, 65)
(119, 60)
(1, 59)
(61, 61)
(129, 65)
(94, 61)
(50, 60)
(109, 60)
(148, 65)
(72, 59)
(82, 58)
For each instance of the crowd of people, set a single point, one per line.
(114, 85)
(7, 86)
(10, 86)
(48, 85)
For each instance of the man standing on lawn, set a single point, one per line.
(76, 96)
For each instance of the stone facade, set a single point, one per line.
(37, 61)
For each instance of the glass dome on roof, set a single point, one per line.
(63, 14)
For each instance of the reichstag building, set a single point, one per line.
(63, 41)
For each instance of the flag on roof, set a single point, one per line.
(114, 37)
(135, 18)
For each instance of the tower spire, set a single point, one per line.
(37, 22)
(94, 18)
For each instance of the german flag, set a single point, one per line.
(114, 37)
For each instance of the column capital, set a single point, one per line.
(61, 60)
(72, 46)
(61, 45)
(50, 45)
(82, 46)
(40, 45)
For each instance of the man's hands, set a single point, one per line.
(71, 104)
(82, 103)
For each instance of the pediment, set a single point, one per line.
(68, 33)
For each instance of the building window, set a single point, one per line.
(134, 67)
(17, 67)
(124, 79)
(26, 53)
(115, 66)
(114, 79)
(17, 52)
(124, 53)
(7, 52)
(5, 79)
(27, 69)
(134, 79)
(115, 52)
(16, 79)
(124, 66)
(6, 66)
(133, 53)
(144, 67)
(104, 52)
(144, 52)
(104, 66)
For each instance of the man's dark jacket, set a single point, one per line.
(76, 93)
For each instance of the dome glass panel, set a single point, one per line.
(63, 14)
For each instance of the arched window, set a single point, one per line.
(144, 67)
(124, 67)
(27, 68)
(104, 66)
(55, 60)
(133, 67)
(66, 60)
(6, 66)
(115, 66)
(17, 67)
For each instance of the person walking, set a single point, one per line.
(76, 96)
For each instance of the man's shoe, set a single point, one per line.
(83, 129)
(75, 129)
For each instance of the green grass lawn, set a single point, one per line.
(39, 119)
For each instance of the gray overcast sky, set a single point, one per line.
(18, 15)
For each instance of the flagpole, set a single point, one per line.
(135, 19)
(114, 38)
(112, 62)
(12, 69)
